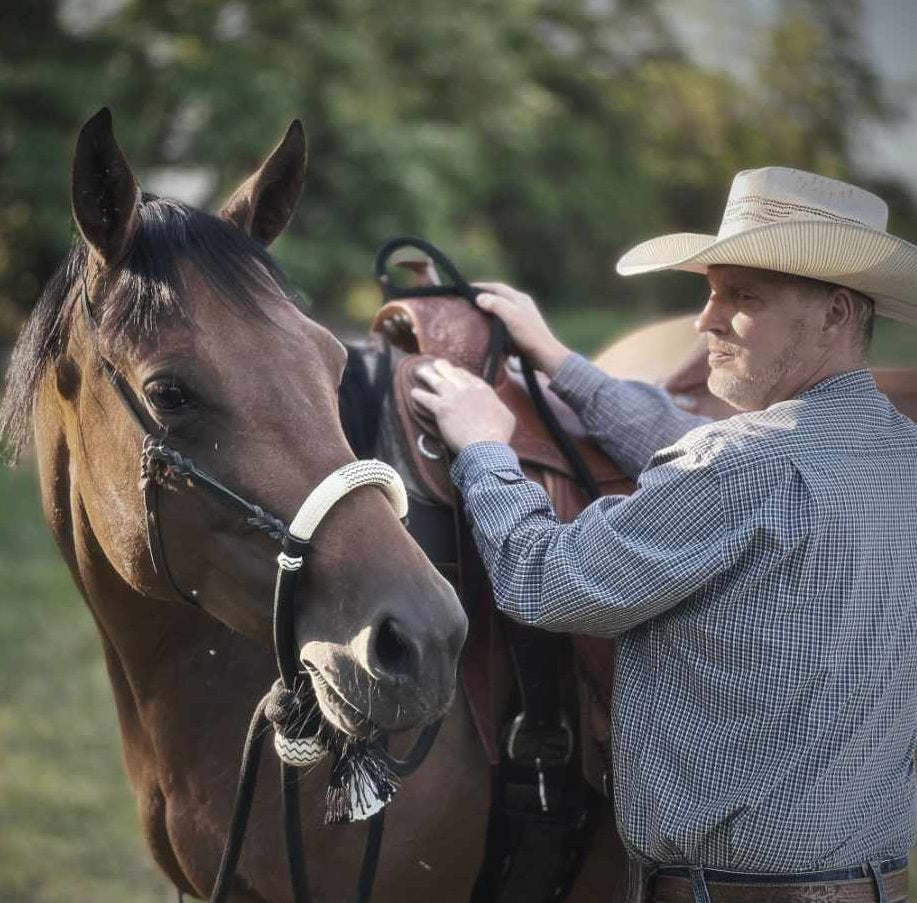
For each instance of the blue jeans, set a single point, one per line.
(700, 876)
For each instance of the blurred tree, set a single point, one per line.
(532, 139)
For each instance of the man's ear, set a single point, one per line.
(839, 309)
(105, 194)
(263, 204)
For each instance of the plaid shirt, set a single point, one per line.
(762, 582)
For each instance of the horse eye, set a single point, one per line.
(167, 395)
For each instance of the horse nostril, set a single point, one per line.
(396, 654)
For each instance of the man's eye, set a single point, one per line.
(167, 395)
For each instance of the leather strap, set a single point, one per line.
(674, 889)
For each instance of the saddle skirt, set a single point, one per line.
(449, 327)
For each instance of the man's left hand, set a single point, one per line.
(465, 407)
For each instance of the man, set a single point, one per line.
(762, 579)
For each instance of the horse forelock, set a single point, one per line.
(131, 300)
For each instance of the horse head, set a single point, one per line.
(208, 350)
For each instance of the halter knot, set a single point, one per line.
(160, 463)
(266, 522)
(297, 727)
(281, 704)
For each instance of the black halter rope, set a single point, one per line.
(291, 703)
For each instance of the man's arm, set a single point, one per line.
(625, 559)
(630, 420)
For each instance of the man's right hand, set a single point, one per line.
(525, 325)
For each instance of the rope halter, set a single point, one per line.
(297, 732)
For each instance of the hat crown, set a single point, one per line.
(777, 194)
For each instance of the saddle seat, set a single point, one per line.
(449, 327)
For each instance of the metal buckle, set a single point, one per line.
(564, 731)
(426, 451)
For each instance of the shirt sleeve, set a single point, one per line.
(630, 420)
(624, 559)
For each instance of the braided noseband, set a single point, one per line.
(296, 738)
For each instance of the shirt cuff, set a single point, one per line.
(479, 458)
(577, 381)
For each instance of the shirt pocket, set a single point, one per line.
(508, 475)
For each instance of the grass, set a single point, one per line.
(68, 826)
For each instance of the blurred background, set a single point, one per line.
(533, 140)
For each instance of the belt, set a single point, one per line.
(673, 884)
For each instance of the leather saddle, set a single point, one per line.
(449, 327)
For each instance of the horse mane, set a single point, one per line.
(146, 286)
(364, 384)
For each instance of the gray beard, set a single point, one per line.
(751, 392)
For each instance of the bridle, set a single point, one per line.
(365, 775)
(160, 464)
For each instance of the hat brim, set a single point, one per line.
(874, 263)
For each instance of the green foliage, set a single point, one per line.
(533, 139)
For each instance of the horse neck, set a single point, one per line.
(360, 396)
(367, 412)
(163, 658)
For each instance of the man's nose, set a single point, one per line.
(713, 318)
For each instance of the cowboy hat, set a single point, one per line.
(797, 222)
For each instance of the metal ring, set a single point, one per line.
(426, 452)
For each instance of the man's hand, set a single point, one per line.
(525, 325)
(466, 408)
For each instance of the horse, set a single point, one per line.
(648, 353)
(210, 350)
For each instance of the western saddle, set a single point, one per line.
(541, 738)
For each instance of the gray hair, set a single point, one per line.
(864, 309)
(864, 319)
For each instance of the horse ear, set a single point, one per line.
(263, 204)
(105, 194)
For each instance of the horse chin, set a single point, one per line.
(363, 718)
(337, 709)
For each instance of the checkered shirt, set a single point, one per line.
(762, 584)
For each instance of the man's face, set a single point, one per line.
(762, 333)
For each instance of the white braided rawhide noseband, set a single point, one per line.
(338, 484)
(306, 752)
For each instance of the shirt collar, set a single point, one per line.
(855, 381)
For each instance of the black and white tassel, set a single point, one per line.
(361, 782)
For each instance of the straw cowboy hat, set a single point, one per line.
(797, 222)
